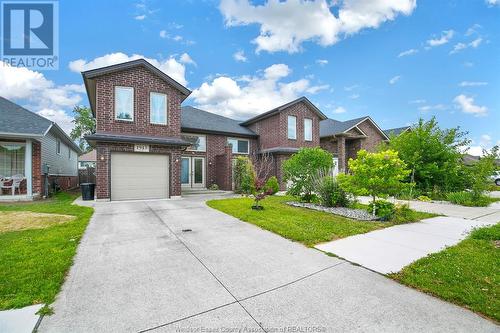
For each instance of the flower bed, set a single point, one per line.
(356, 214)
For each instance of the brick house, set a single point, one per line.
(28, 142)
(149, 146)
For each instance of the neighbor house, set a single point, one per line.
(30, 146)
(87, 160)
(149, 146)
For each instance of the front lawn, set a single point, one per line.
(467, 274)
(306, 226)
(37, 249)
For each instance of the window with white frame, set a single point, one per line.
(292, 127)
(124, 103)
(69, 153)
(158, 108)
(198, 142)
(308, 129)
(240, 146)
(58, 147)
(12, 156)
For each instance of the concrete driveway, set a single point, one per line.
(139, 269)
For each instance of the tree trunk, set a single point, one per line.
(373, 201)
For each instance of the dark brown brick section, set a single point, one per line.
(36, 167)
(223, 172)
(143, 82)
(104, 160)
(273, 131)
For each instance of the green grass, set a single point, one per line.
(303, 225)
(467, 274)
(34, 263)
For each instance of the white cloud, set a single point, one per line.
(315, 89)
(170, 66)
(472, 84)
(445, 38)
(351, 88)
(354, 96)
(435, 107)
(473, 29)
(466, 105)
(417, 101)
(284, 26)
(485, 143)
(139, 17)
(322, 62)
(33, 90)
(493, 2)
(339, 109)
(462, 46)
(186, 59)
(163, 34)
(408, 53)
(395, 79)
(247, 96)
(240, 56)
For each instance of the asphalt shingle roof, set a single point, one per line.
(193, 119)
(17, 120)
(396, 131)
(329, 127)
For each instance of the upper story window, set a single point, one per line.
(69, 153)
(308, 129)
(198, 142)
(240, 146)
(124, 103)
(58, 147)
(292, 127)
(158, 108)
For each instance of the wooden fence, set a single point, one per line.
(86, 175)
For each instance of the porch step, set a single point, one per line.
(202, 192)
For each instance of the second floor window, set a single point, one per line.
(158, 108)
(292, 127)
(308, 129)
(124, 103)
(58, 147)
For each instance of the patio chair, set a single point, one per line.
(15, 183)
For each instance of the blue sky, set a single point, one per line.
(393, 60)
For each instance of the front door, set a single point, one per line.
(193, 171)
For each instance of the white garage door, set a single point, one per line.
(139, 176)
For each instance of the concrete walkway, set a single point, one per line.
(19, 320)
(180, 266)
(389, 250)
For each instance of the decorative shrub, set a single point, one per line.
(214, 187)
(330, 193)
(244, 176)
(424, 198)
(468, 199)
(272, 185)
(302, 168)
(403, 214)
(260, 193)
(382, 208)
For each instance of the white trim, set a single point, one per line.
(374, 123)
(288, 127)
(28, 171)
(133, 102)
(306, 139)
(359, 129)
(237, 152)
(166, 107)
(48, 129)
(21, 135)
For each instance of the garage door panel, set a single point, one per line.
(139, 176)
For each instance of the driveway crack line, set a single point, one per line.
(205, 266)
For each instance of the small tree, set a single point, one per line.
(375, 174)
(84, 125)
(481, 170)
(302, 168)
(244, 176)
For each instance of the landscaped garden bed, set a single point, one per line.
(353, 213)
(37, 243)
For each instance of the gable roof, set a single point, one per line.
(281, 108)
(396, 131)
(90, 156)
(90, 75)
(331, 127)
(199, 121)
(16, 121)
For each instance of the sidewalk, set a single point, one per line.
(389, 250)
